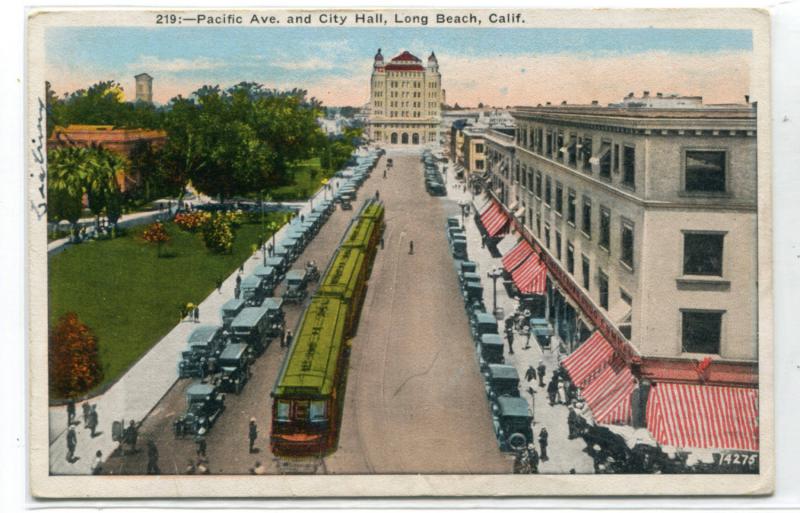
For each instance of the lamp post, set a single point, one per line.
(494, 274)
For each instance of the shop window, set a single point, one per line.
(585, 272)
(627, 244)
(605, 228)
(702, 253)
(701, 331)
(629, 167)
(587, 217)
(571, 207)
(705, 171)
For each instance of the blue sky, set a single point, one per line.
(327, 59)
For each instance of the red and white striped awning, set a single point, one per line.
(515, 257)
(703, 416)
(530, 276)
(493, 219)
(608, 394)
(590, 358)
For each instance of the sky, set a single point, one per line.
(510, 66)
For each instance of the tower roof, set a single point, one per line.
(140, 75)
(432, 56)
(379, 55)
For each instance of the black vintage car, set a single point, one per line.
(204, 346)
(512, 420)
(490, 350)
(234, 363)
(204, 404)
(501, 380)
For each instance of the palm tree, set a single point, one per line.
(67, 169)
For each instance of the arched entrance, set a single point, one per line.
(405, 138)
(394, 137)
(415, 138)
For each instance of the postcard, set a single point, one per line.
(384, 253)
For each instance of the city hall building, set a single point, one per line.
(643, 216)
(405, 100)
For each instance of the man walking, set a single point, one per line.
(533, 459)
(552, 390)
(572, 423)
(530, 374)
(72, 443)
(87, 409)
(411, 247)
(197, 313)
(526, 330)
(152, 458)
(70, 411)
(92, 424)
(542, 371)
(253, 434)
(200, 442)
(97, 464)
(543, 444)
(510, 339)
(131, 435)
(288, 339)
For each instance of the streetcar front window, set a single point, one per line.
(282, 413)
(318, 411)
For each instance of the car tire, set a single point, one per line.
(517, 441)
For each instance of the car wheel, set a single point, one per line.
(517, 441)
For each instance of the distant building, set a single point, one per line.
(118, 140)
(144, 88)
(405, 100)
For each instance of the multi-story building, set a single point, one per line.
(405, 100)
(500, 146)
(474, 150)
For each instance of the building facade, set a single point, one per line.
(144, 88)
(405, 100)
(649, 206)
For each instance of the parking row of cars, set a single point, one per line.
(355, 175)
(219, 357)
(511, 415)
(434, 182)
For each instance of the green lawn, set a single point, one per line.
(129, 296)
(307, 177)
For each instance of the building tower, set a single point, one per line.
(405, 100)
(144, 88)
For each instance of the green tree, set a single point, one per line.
(67, 171)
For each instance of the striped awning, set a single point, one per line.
(589, 359)
(515, 257)
(703, 416)
(530, 276)
(493, 219)
(608, 394)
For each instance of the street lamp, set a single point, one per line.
(494, 274)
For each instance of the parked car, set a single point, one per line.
(234, 364)
(230, 310)
(512, 419)
(490, 350)
(204, 405)
(501, 380)
(204, 346)
(296, 281)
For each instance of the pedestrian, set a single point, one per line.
(533, 459)
(562, 392)
(542, 371)
(572, 422)
(253, 434)
(530, 374)
(219, 285)
(384, 172)
(302, 218)
(92, 424)
(197, 313)
(97, 464)
(411, 247)
(200, 442)
(552, 390)
(241, 270)
(72, 443)
(131, 435)
(152, 458)
(288, 339)
(238, 280)
(483, 241)
(377, 194)
(70, 411)
(87, 409)
(236, 292)
(510, 339)
(543, 444)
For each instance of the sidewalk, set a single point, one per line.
(564, 454)
(140, 389)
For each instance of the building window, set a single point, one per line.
(587, 217)
(540, 133)
(701, 331)
(478, 148)
(616, 158)
(539, 184)
(548, 190)
(585, 271)
(570, 258)
(705, 171)
(530, 179)
(605, 160)
(516, 172)
(627, 244)
(605, 228)
(479, 164)
(629, 167)
(560, 149)
(559, 198)
(538, 224)
(571, 207)
(572, 152)
(547, 234)
(702, 253)
(558, 244)
(586, 152)
(602, 285)
(548, 146)
(524, 177)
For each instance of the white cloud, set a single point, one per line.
(155, 64)
(304, 64)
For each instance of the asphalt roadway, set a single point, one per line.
(414, 401)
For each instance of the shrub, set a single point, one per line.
(156, 234)
(218, 234)
(192, 221)
(74, 365)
